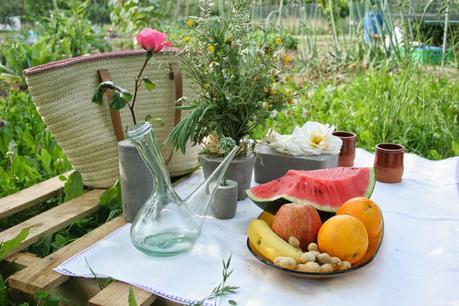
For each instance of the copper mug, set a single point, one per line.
(389, 162)
(347, 153)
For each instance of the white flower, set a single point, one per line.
(312, 138)
(273, 114)
(329, 89)
(311, 93)
(304, 112)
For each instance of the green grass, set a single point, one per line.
(411, 107)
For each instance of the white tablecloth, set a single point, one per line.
(418, 263)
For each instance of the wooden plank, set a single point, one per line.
(54, 219)
(22, 259)
(116, 294)
(28, 197)
(40, 275)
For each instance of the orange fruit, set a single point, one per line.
(345, 237)
(366, 211)
(372, 247)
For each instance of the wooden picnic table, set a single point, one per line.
(30, 273)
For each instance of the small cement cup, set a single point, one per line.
(224, 203)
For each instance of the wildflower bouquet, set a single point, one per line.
(238, 81)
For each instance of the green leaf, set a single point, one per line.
(232, 302)
(111, 195)
(152, 119)
(98, 96)
(149, 84)
(73, 186)
(8, 245)
(119, 100)
(3, 292)
(131, 298)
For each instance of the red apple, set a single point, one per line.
(299, 220)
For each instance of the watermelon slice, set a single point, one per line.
(325, 189)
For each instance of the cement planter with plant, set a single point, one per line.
(239, 83)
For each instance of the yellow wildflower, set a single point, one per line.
(189, 23)
(278, 41)
(287, 58)
(186, 39)
(210, 48)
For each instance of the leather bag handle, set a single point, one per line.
(104, 75)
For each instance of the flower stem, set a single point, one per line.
(137, 85)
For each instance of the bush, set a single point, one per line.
(28, 152)
(66, 33)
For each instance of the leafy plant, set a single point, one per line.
(130, 16)
(151, 40)
(237, 80)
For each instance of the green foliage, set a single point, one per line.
(66, 33)
(8, 9)
(5, 247)
(45, 298)
(275, 39)
(97, 9)
(8, 245)
(28, 152)
(73, 187)
(237, 78)
(411, 107)
(131, 298)
(130, 16)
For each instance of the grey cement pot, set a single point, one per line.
(224, 203)
(239, 170)
(136, 181)
(271, 165)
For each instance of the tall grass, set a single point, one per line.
(411, 107)
(342, 48)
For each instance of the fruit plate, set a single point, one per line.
(264, 216)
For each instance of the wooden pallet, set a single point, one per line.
(30, 273)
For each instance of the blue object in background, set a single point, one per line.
(371, 21)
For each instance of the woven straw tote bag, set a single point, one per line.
(87, 132)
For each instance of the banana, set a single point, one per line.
(269, 244)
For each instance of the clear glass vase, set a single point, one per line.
(167, 225)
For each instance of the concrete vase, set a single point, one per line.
(136, 181)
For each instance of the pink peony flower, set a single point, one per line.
(154, 40)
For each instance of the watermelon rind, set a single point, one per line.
(271, 205)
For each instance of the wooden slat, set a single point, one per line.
(54, 219)
(28, 197)
(22, 259)
(116, 294)
(40, 275)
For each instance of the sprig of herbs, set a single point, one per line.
(222, 289)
